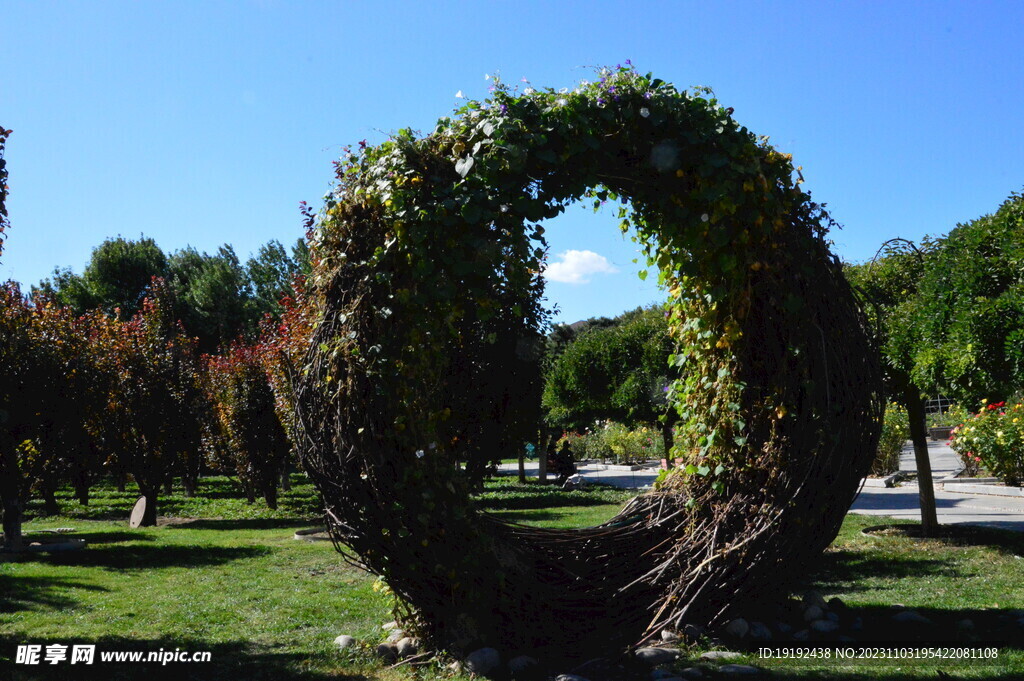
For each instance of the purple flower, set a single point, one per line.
(504, 109)
(600, 102)
(629, 63)
(647, 95)
(611, 89)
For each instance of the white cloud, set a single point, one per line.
(576, 267)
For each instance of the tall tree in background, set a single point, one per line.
(116, 278)
(215, 296)
(212, 297)
(272, 273)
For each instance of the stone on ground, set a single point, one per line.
(483, 661)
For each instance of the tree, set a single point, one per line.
(969, 311)
(257, 445)
(15, 372)
(116, 277)
(617, 372)
(271, 274)
(11, 335)
(212, 297)
(64, 402)
(152, 403)
(890, 286)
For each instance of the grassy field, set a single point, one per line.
(228, 578)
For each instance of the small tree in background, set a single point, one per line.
(151, 411)
(614, 372)
(15, 372)
(889, 284)
(257, 445)
(969, 311)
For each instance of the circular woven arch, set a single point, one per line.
(427, 274)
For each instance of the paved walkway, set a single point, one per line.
(637, 480)
(951, 507)
(874, 499)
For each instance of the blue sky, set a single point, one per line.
(207, 122)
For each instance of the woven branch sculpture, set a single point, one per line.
(428, 261)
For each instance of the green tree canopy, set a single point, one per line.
(213, 298)
(271, 273)
(617, 371)
(969, 311)
(117, 276)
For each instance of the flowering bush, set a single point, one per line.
(611, 440)
(952, 417)
(895, 431)
(993, 439)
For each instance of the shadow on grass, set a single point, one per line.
(508, 495)
(240, 524)
(1005, 541)
(38, 593)
(528, 516)
(228, 660)
(111, 537)
(149, 557)
(848, 571)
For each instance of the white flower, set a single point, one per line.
(459, 95)
(645, 112)
(420, 453)
(563, 90)
(704, 217)
(528, 91)
(584, 83)
(487, 76)
(562, 101)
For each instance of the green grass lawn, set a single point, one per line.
(234, 582)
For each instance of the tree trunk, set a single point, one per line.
(286, 480)
(926, 489)
(149, 517)
(121, 481)
(522, 466)
(149, 493)
(169, 485)
(190, 474)
(542, 455)
(10, 498)
(82, 493)
(667, 441)
(270, 495)
(50, 506)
